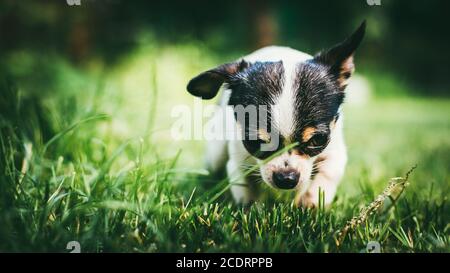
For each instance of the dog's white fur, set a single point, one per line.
(237, 159)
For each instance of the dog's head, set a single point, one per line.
(294, 102)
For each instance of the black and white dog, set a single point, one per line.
(301, 97)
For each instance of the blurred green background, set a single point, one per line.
(133, 60)
(404, 39)
(129, 62)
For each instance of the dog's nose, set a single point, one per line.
(286, 179)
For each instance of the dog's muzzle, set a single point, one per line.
(286, 179)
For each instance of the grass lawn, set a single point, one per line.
(100, 168)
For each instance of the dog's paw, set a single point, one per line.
(307, 200)
(313, 196)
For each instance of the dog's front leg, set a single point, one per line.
(324, 183)
(330, 171)
(243, 188)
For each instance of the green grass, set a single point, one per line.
(94, 162)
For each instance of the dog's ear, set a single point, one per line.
(339, 58)
(207, 84)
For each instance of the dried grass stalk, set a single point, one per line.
(392, 192)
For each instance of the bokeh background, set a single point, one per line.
(140, 55)
(129, 62)
(405, 39)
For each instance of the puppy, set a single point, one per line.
(295, 139)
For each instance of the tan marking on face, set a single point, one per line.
(287, 141)
(263, 135)
(308, 133)
(297, 153)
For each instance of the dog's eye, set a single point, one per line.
(317, 141)
(262, 147)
